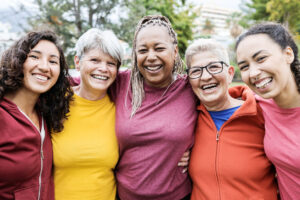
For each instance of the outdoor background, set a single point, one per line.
(223, 20)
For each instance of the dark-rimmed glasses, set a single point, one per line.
(212, 68)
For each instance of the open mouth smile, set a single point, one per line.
(153, 68)
(100, 77)
(261, 84)
(41, 77)
(209, 86)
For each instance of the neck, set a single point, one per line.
(89, 94)
(225, 103)
(289, 97)
(166, 83)
(24, 100)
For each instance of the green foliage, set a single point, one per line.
(259, 10)
(283, 11)
(70, 18)
(179, 14)
(208, 27)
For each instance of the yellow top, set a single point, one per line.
(86, 152)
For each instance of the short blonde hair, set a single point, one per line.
(204, 45)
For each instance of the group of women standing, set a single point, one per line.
(124, 134)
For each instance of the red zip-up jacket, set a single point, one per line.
(230, 164)
(25, 162)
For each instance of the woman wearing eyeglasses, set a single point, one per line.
(228, 160)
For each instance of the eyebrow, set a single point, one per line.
(254, 56)
(205, 65)
(39, 52)
(242, 62)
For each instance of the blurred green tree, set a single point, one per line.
(257, 9)
(208, 27)
(70, 18)
(180, 14)
(286, 12)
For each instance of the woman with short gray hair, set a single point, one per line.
(228, 159)
(86, 152)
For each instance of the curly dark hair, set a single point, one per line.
(53, 104)
(279, 34)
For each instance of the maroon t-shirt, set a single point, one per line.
(153, 140)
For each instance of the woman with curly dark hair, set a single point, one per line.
(34, 101)
(268, 60)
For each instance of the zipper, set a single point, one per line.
(41, 150)
(42, 160)
(41, 171)
(216, 162)
(217, 148)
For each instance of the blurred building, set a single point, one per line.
(215, 22)
(127, 54)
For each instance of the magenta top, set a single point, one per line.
(282, 145)
(153, 140)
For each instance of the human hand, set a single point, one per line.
(184, 161)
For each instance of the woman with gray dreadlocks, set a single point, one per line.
(155, 116)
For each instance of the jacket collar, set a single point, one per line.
(249, 106)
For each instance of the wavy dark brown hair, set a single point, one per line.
(53, 104)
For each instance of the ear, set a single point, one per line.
(289, 54)
(230, 73)
(76, 62)
(176, 51)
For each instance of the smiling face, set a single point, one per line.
(41, 68)
(264, 66)
(210, 89)
(155, 55)
(98, 70)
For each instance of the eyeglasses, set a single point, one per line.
(211, 68)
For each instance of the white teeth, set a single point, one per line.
(263, 83)
(38, 76)
(153, 68)
(209, 86)
(100, 77)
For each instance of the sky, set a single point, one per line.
(13, 3)
(230, 4)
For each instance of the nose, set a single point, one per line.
(205, 75)
(103, 66)
(254, 71)
(151, 55)
(44, 65)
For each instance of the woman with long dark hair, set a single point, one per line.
(268, 60)
(34, 101)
